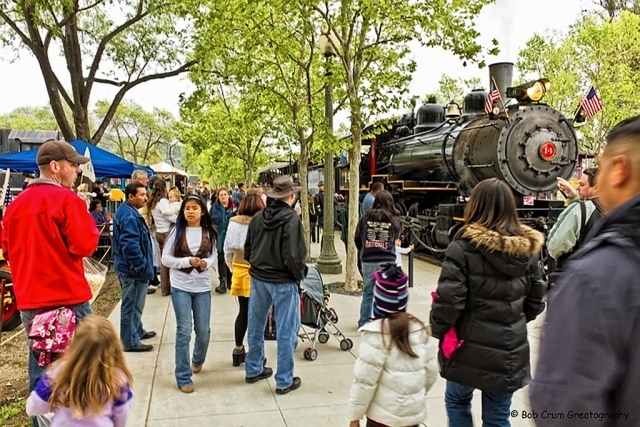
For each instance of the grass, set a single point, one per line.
(12, 413)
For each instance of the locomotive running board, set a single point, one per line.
(407, 187)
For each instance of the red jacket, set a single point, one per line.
(47, 230)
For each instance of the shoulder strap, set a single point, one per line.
(583, 218)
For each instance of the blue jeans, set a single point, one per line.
(495, 406)
(286, 302)
(184, 304)
(134, 295)
(366, 306)
(36, 371)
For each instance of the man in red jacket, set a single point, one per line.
(47, 231)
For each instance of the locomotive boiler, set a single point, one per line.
(431, 161)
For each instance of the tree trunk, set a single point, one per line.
(303, 169)
(352, 274)
(249, 175)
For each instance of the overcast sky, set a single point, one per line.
(511, 22)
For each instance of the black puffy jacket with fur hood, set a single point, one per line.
(490, 286)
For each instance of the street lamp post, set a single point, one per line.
(328, 263)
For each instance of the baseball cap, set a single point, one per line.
(59, 150)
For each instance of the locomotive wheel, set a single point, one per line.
(10, 312)
(323, 337)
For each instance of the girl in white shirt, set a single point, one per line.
(159, 208)
(190, 251)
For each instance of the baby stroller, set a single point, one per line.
(315, 314)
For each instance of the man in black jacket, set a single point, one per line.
(276, 251)
(589, 350)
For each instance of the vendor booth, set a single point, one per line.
(105, 164)
(176, 177)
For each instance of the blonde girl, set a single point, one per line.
(189, 252)
(91, 384)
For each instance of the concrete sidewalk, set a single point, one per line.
(222, 398)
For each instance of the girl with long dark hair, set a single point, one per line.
(190, 252)
(490, 286)
(375, 238)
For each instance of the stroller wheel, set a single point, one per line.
(350, 343)
(323, 337)
(307, 353)
(313, 354)
(344, 345)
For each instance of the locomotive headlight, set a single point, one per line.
(530, 91)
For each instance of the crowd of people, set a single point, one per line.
(492, 284)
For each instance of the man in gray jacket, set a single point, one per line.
(276, 252)
(588, 372)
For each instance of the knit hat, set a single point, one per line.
(390, 293)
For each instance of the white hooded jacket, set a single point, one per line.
(390, 386)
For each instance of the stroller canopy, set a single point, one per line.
(312, 283)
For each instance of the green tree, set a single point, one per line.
(29, 118)
(138, 135)
(269, 47)
(596, 51)
(371, 39)
(228, 125)
(148, 43)
(454, 89)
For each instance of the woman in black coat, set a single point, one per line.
(490, 286)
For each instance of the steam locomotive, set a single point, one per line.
(431, 160)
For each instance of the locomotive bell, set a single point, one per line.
(452, 111)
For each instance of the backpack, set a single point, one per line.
(585, 226)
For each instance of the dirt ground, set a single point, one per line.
(14, 382)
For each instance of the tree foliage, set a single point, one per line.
(371, 40)
(140, 136)
(146, 42)
(231, 127)
(596, 51)
(29, 118)
(270, 48)
(454, 89)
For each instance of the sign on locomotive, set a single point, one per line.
(430, 161)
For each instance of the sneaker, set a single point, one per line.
(266, 373)
(295, 384)
(154, 287)
(187, 388)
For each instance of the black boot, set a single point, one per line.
(238, 356)
(222, 288)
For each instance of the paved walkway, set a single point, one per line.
(222, 398)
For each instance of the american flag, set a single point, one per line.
(8, 197)
(492, 97)
(591, 103)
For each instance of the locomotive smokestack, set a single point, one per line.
(502, 73)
